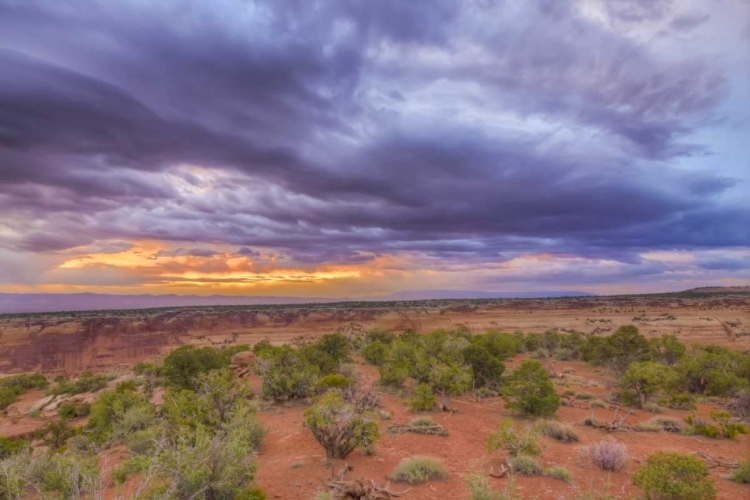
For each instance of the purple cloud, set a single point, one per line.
(336, 132)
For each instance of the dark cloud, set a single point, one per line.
(337, 131)
(688, 22)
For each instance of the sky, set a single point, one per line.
(342, 148)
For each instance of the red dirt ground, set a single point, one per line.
(292, 463)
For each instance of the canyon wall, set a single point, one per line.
(71, 342)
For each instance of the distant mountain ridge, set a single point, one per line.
(53, 302)
(459, 294)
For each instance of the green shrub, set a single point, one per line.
(560, 473)
(398, 363)
(334, 381)
(423, 399)
(67, 409)
(143, 441)
(681, 401)
(487, 369)
(525, 466)
(10, 446)
(127, 469)
(254, 493)
(335, 345)
(86, 382)
(323, 362)
(586, 396)
(375, 352)
(108, 412)
(675, 476)
(145, 369)
(419, 470)
(742, 473)
(183, 365)
(530, 391)
(380, 336)
(479, 487)
(515, 443)
(711, 370)
(15, 385)
(288, 375)
(56, 433)
(722, 427)
(556, 430)
(619, 350)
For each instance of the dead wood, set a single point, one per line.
(714, 462)
(431, 430)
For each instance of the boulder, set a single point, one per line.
(244, 358)
(42, 403)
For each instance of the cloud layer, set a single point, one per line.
(371, 145)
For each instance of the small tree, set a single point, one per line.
(675, 476)
(396, 366)
(449, 379)
(423, 399)
(287, 375)
(530, 391)
(338, 427)
(486, 368)
(182, 366)
(335, 345)
(108, 413)
(645, 379)
(668, 349)
(375, 352)
(223, 392)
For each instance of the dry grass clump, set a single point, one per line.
(558, 431)
(525, 466)
(421, 425)
(425, 425)
(480, 489)
(608, 455)
(660, 424)
(416, 470)
(560, 473)
(653, 408)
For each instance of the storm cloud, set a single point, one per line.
(338, 132)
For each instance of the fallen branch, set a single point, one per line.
(504, 470)
(431, 430)
(361, 489)
(616, 425)
(714, 462)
